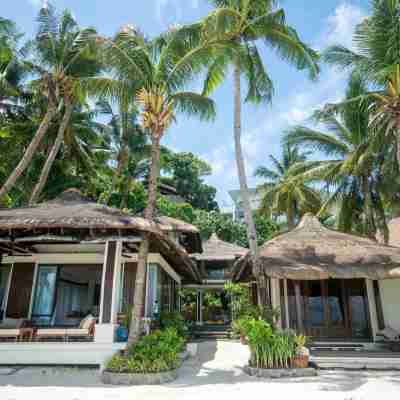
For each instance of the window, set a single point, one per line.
(4, 280)
(153, 292)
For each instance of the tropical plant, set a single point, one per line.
(157, 352)
(377, 58)
(285, 193)
(352, 172)
(237, 28)
(59, 49)
(176, 321)
(269, 349)
(159, 69)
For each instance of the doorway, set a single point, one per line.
(331, 309)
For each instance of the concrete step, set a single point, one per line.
(357, 363)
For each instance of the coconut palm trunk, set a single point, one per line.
(30, 151)
(244, 191)
(140, 283)
(53, 154)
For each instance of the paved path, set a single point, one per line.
(216, 373)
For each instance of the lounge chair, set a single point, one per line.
(85, 330)
(15, 328)
(391, 337)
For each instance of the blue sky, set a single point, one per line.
(319, 22)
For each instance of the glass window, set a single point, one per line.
(4, 278)
(153, 292)
(44, 302)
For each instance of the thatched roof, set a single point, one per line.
(312, 251)
(67, 216)
(215, 249)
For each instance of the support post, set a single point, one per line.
(300, 321)
(275, 300)
(286, 299)
(372, 308)
(109, 293)
(200, 307)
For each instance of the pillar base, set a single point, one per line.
(105, 333)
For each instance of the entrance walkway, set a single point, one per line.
(215, 374)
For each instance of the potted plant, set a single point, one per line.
(302, 355)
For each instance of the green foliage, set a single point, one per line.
(176, 321)
(157, 352)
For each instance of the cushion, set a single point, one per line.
(390, 333)
(51, 332)
(77, 332)
(9, 332)
(86, 322)
(12, 323)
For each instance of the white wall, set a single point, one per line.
(390, 293)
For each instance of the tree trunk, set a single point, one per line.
(52, 155)
(290, 216)
(244, 192)
(370, 229)
(140, 283)
(30, 151)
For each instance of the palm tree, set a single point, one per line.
(235, 29)
(377, 59)
(159, 69)
(69, 50)
(129, 147)
(352, 171)
(59, 50)
(285, 193)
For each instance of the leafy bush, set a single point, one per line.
(158, 352)
(268, 349)
(176, 321)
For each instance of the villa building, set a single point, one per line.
(330, 285)
(68, 269)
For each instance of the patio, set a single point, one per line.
(214, 374)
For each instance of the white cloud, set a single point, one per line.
(170, 12)
(39, 3)
(293, 109)
(341, 25)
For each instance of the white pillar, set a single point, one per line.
(105, 330)
(372, 308)
(275, 299)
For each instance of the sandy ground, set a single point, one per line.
(216, 373)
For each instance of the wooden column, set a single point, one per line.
(300, 321)
(275, 299)
(286, 300)
(110, 282)
(373, 317)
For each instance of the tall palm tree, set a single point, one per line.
(235, 29)
(160, 69)
(70, 51)
(376, 57)
(130, 148)
(352, 171)
(285, 193)
(59, 48)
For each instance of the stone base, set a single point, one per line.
(280, 373)
(111, 378)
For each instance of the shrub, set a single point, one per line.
(176, 321)
(158, 352)
(269, 349)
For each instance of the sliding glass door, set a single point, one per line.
(45, 295)
(5, 271)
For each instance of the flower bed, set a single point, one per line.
(154, 359)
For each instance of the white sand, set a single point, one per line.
(216, 373)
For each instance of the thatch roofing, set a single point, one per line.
(72, 212)
(394, 232)
(215, 249)
(312, 251)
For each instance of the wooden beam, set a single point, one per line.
(300, 322)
